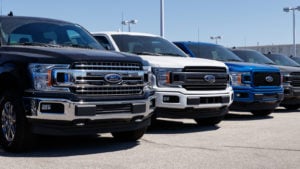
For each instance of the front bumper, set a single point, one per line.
(178, 100)
(191, 113)
(61, 116)
(291, 95)
(249, 101)
(172, 104)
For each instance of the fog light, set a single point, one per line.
(46, 107)
(171, 99)
(242, 95)
(52, 108)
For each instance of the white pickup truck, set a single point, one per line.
(185, 87)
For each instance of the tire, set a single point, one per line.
(262, 112)
(15, 135)
(211, 121)
(291, 107)
(129, 135)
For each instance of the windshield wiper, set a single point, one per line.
(34, 44)
(170, 54)
(147, 53)
(77, 46)
(270, 63)
(234, 60)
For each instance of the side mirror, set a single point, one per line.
(107, 47)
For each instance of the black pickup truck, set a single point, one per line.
(54, 80)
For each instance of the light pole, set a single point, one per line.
(216, 38)
(287, 9)
(128, 22)
(162, 20)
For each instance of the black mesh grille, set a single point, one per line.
(204, 69)
(194, 78)
(105, 109)
(295, 79)
(110, 90)
(260, 79)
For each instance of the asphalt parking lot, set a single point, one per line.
(240, 141)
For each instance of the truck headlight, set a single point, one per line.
(148, 77)
(240, 78)
(163, 76)
(43, 76)
(286, 78)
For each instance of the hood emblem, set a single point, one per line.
(269, 79)
(113, 78)
(210, 78)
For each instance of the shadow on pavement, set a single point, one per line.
(69, 146)
(235, 116)
(162, 126)
(283, 110)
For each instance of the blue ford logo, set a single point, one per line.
(113, 78)
(210, 78)
(269, 79)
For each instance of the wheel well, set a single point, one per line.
(8, 82)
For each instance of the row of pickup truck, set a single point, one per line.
(59, 79)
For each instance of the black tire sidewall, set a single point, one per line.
(21, 124)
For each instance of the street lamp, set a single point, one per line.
(128, 22)
(162, 20)
(216, 38)
(287, 9)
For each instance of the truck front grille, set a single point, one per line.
(90, 79)
(260, 79)
(204, 69)
(108, 109)
(110, 90)
(129, 66)
(194, 78)
(295, 79)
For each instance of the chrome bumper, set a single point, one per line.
(66, 110)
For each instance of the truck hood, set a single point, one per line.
(249, 67)
(288, 69)
(179, 62)
(62, 55)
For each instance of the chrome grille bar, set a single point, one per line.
(108, 66)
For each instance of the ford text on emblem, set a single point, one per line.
(113, 78)
(269, 79)
(210, 78)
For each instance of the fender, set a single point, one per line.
(13, 73)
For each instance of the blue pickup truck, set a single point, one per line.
(257, 88)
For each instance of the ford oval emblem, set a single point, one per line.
(269, 79)
(113, 78)
(210, 78)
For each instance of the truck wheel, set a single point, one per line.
(15, 135)
(209, 121)
(262, 112)
(129, 135)
(291, 107)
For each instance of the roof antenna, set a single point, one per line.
(10, 13)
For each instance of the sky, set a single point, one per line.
(238, 22)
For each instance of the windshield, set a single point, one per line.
(296, 59)
(147, 45)
(43, 32)
(253, 57)
(214, 52)
(282, 60)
